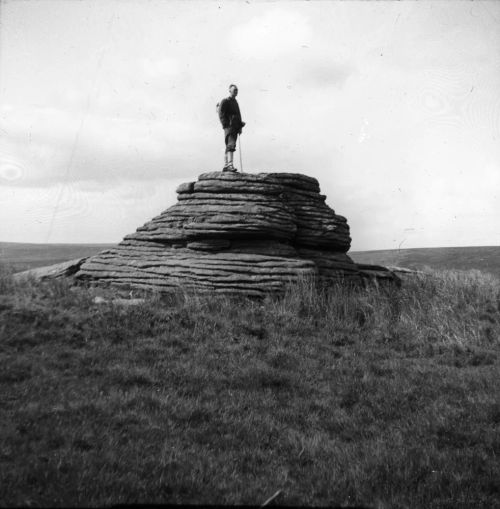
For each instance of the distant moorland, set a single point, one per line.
(483, 258)
(20, 256)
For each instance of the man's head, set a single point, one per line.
(233, 90)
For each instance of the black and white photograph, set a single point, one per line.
(250, 253)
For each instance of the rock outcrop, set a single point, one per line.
(57, 271)
(232, 233)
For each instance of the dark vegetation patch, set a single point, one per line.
(351, 397)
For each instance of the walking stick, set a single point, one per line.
(241, 160)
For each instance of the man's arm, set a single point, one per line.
(223, 116)
(242, 124)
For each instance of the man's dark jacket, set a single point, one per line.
(230, 116)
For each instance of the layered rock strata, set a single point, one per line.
(232, 233)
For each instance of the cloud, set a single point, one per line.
(161, 67)
(323, 73)
(392, 106)
(75, 213)
(42, 146)
(274, 34)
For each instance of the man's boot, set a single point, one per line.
(225, 161)
(230, 166)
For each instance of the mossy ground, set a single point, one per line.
(373, 397)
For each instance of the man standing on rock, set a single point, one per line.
(230, 117)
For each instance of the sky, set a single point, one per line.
(107, 106)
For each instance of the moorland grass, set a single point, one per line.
(379, 397)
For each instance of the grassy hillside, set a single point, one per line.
(484, 258)
(367, 397)
(19, 256)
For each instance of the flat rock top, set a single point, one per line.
(287, 179)
(256, 177)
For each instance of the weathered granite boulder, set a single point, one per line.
(232, 233)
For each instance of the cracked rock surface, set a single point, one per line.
(232, 233)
